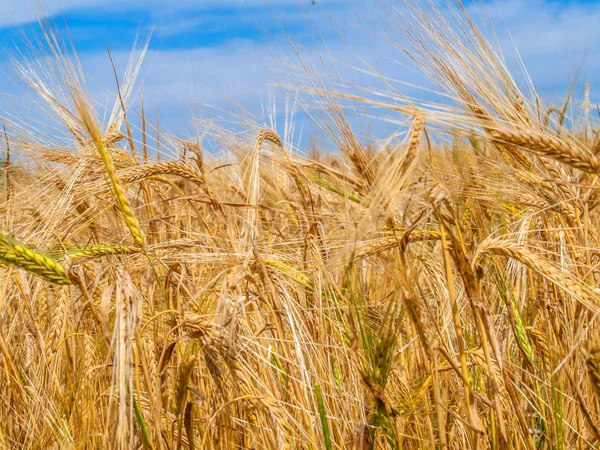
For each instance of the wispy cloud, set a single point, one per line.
(225, 51)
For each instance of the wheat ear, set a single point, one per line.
(100, 250)
(167, 168)
(254, 178)
(16, 254)
(116, 187)
(503, 247)
(289, 271)
(550, 147)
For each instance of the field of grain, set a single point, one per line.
(437, 289)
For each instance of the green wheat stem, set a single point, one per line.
(323, 417)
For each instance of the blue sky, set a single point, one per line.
(232, 51)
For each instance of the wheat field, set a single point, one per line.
(434, 289)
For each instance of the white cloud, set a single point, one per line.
(552, 39)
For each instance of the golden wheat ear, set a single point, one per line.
(179, 168)
(550, 147)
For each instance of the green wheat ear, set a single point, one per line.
(115, 184)
(93, 251)
(290, 272)
(23, 257)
